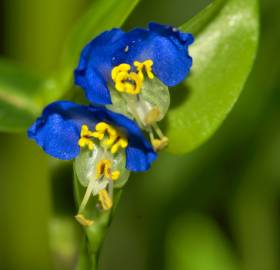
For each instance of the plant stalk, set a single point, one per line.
(96, 233)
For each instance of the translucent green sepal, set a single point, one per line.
(85, 166)
(99, 174)
(147, 107)
(119, 103)
(156, 96)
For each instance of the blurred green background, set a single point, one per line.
(214, 209)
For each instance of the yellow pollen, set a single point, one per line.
(101, 129)
(115, 140)
(104, 167)
(105, 200)
(120, 68)
(126, 81)
(121, 142)
(159, 144)
(85, 138)
(144, 66)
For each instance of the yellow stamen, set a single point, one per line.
(121, 142)
(84, 221)
(85, 138)
(144, 66)
(162, 142)
(115, 140)
(104, 167)
(105, 200)
(129, 83)
(101, 129)
(159, 144)
(125, 81)
(120, 68)
(115, 175)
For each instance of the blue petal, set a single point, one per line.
(94, 69)
(185, 39)
(166, 46)
(96, 87)
(57, 131)
(139, 153)
(138, 160)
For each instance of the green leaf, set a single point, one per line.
(20, 98)
(102, 15)
(226, 37)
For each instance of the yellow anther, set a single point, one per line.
(86, 142)
(114, 139)
(101, 129)
(105, 200)
(115, 175)
(85, 132)
(120, 68)
(84, 221)
(104, 167)
(121, 82)
(121, 142)
(159, 144)
(144, 66)
(126, 81)
(130, 83)
(85, 138)
(134, 84)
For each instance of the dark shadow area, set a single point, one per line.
(179, 94)
(163, 12)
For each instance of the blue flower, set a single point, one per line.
(160, 51)
(64, 126)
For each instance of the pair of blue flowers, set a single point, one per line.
(113, 58)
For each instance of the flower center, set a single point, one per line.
(104, 167)
(108, 135)
(127, 81)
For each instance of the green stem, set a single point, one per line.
(83, 262)
(96, 233)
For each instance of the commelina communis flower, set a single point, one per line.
(133, 70)
(105, 144)
(125, 76)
